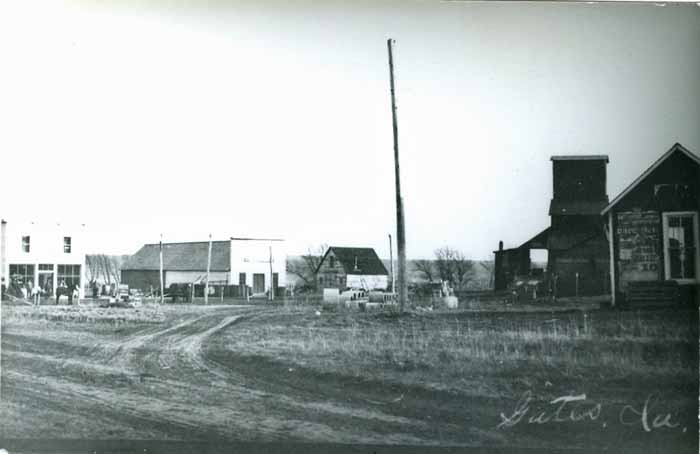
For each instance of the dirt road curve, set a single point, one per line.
(172, 381)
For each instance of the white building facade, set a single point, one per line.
(45, 253)
(258, 263)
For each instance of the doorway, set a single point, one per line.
(258, 283)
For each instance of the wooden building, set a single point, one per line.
(576, 244)
(44, 254)
(352, 268)
(256, 263)
(653, 225)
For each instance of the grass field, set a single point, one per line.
(556, 378)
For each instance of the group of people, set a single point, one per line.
(33, 292)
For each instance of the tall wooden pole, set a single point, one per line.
(391, 264)
(206, 285)
(272, 279)
(162, 296)
(400, 227)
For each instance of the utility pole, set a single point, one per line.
(391, 264)
(162, 296)
(206, 285)
(400, 227)
(272, 279)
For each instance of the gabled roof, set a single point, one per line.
(182, 257)
(675, 148)
(581, 157)
(367, 261)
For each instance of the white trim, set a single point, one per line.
(667, 259)
(676, 147)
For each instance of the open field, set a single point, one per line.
(555, 378)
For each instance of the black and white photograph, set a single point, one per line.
(349, 226)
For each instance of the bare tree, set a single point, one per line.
(306, 268)
(489, 267)
(453, 266)
(426, 268)
(103, 268)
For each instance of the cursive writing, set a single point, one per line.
(576, 408)
(565, 408)
(630, 416)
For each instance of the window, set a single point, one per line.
(66, 245)
(22, 275)
(331, 262)
(681, 257)
(25, 244)
(68, 275)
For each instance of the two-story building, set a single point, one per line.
(50, 254)
(352, 268)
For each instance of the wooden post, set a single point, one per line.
(222, 294)
(206, 285)
(391, 265)
(272, 279)
(400, 225)
(162, 296)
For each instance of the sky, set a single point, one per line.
(243, 118)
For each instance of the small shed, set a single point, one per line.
(352, 267)
(653, 230)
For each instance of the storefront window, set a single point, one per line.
(68, 275)
(21, 280)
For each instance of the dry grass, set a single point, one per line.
(444, 347)
(85, 314)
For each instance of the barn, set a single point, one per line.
(352, 268)
(653, 230)
(256, 263)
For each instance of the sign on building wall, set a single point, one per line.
(639, 237)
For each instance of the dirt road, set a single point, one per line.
(161, 382)
(179, 380)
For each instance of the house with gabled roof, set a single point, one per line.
(256, 263)
(352, 268)
(653, 230)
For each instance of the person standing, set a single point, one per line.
(36, 291)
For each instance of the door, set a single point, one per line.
(46, 283)
(258, 283)
(681, 259)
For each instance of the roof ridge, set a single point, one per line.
(676, 147)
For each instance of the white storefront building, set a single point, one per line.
(45, 253)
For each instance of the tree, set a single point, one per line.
(426, 268)
(453, 266)
(306, 267)
(103, 268)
